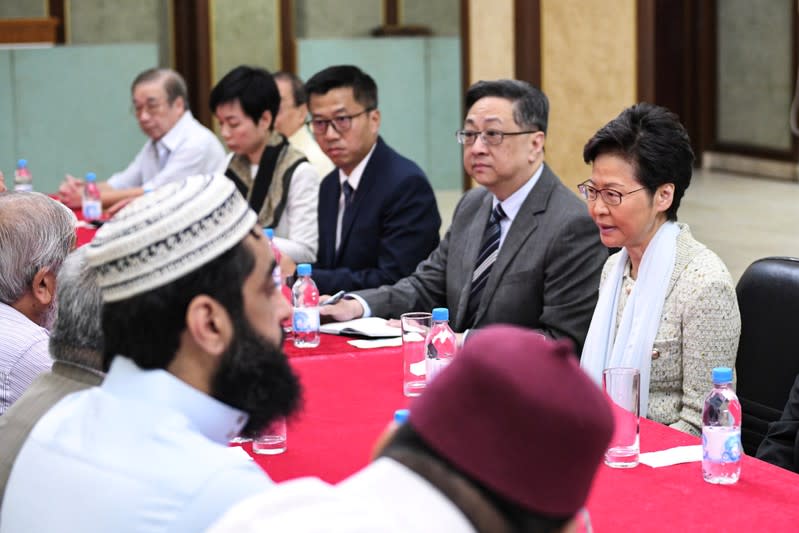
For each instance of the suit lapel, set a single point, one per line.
(475, 233)
(368, 180)
(522, 227)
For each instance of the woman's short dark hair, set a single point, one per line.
(147, 327)
(253, 87)
(653, 141)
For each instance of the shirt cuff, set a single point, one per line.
(367, 311)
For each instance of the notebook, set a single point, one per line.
(364, 327)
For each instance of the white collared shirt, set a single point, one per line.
(142, 452)
(513, 203)
(24, 354)
(188, 148)
(385, 496)
(354, 179)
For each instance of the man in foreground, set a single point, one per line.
(178, 145)
(36, 234)
(191, 325)
(76, 347)
(491, 446)
(521, 249)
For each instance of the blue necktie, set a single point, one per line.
(485, 262)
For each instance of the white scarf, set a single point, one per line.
(632, 346)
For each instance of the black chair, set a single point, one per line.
(768, 353)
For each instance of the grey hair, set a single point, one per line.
(35, 232)
(174, 84)
(77, 335)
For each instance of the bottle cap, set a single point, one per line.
(440, 313)
(401, 415)
(270, 233)
(722, 374)
(22, 163)
(91, 176)
(304, 269)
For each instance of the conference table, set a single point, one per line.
(350, 396)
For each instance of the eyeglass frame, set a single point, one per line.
(328, 122)
(460, 136)
(151, 107)
(585, 189)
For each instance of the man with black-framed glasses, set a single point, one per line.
(378, 216)
(521, 249)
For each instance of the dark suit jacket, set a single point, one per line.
(546, 274)
(781, 444)
(391, 226)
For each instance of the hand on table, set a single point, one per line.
(114, 209)
(342, 311)
(287, 266)
(71, 191)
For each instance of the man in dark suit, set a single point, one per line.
(378, 216)
(781, 444)
(521, 249)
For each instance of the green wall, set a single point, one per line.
(419, 94)
(67, 110)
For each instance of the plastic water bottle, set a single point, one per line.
(721, 431)
(277, 274)
(441, 344)
(92, 204)
(23, 181)
(305, 321)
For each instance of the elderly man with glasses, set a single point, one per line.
(378, 216)
(178, 145)
(521, 249)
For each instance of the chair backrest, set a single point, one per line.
(768, 353)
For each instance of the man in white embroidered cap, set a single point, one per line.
(191, 320)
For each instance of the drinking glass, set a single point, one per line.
(272, 440)
(623, 388)
(415, 328)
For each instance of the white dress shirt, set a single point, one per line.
(187, 149)
(143, 452)
(385, 496)
(23, 354)
(354, 180)
(303, 141)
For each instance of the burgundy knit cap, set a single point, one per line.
(516, 412)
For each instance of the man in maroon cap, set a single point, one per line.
(507, 438)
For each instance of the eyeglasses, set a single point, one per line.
(340, 124)
(609, 196)
(490, 137)
(151, 107)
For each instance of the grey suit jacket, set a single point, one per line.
(545, 277)
(45, 391)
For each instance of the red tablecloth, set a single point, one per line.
(351, 396)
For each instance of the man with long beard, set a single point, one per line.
(191, 321)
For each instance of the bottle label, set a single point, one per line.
(92, 210)
(306, 319)
(721, 444)
(23, 187)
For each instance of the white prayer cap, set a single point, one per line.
(168, 233)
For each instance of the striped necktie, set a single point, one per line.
(485, 261)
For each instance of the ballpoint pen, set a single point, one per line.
(334, 299)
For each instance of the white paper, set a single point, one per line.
(672, 456)
(376, 343)
(367, 327)
(418, 369)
